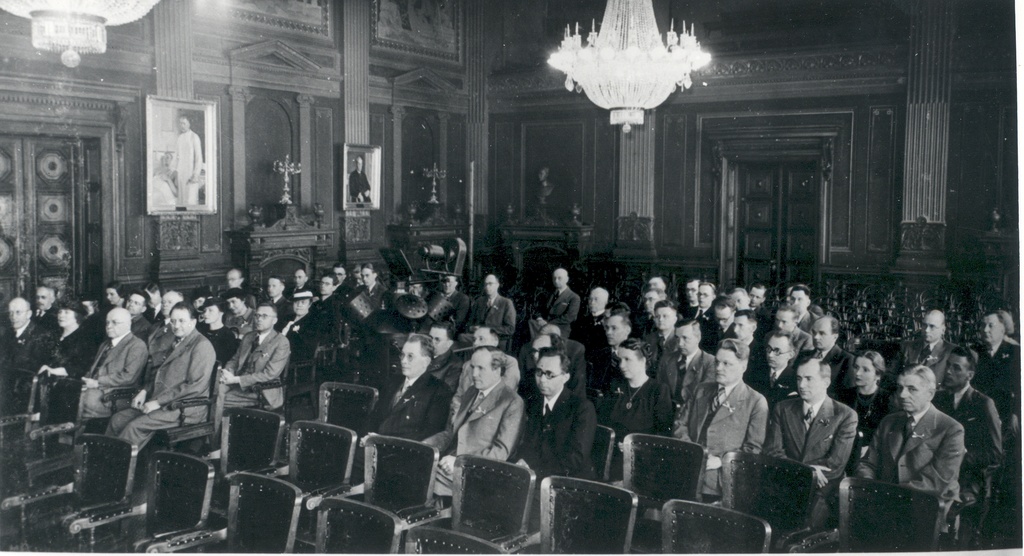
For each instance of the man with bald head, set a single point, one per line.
(929, 349)
(24, 348)
(46, 310)
(588, 329)
(119, 363)
(561, 308)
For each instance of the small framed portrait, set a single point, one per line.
(181, 156)
(361, 166)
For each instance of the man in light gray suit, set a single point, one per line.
(185, 373)
(262, 356)
(687, 366)
(725, 416)
(119, 363)
(487, 422)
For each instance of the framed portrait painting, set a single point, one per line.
(361, 167)
(181, 156)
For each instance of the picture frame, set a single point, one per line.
(174, 149)
(361, 187)
(430, 28)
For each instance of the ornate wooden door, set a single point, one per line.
(39, 211)
(778, 216)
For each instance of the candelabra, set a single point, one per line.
(434, 173)
(287, 169)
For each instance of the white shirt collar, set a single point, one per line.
(19, 331)
(918, 416)
(814, 408)
(550, 402)
(488, 391)
(410, 381)
(729, 389)
(263, 336)
(957, 396)
(117, 340)
(690, 358)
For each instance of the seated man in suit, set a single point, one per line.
(25, 346)
(643, 322)
(605, 362)
(184, 373)
(817, 431)
(45, 314)
(301, 330)
(262, 356)
(663, 338)
(588, 329)
(561, 309)
(559, 431)
(919, 447)
(275, 296)
(135, 303)
(510, 376)
(982, 426)
(800, 298)
(774, 376)
(414, 405)
(724, 416)
(492, 311)
(683, 369)
(723, 309)
(689, 307)
(929, 350)
(374, 288)
(998, 370)
(486, 423)
(446, 365)
(118, 364)
(785, 321)
(460, 302)
(529, 357)
(824, 333)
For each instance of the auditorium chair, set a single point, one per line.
(345, 526)
(491, 501)
(263, 516)
(659, 468)
(203, 433)
(104, 470)
(40, 442)
(178, 487)
(434, 540)
(601, 452)
(779, 491)
(585, 517)
(881, 517)
(347, 405)
(693, 528)
(399, 477)
(250, 440)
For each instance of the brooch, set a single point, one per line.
(295, 328)
(915, 435)
(729, 406)
(824, 422)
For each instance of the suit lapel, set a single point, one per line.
(921, 431)
(734, 400)
(488, 404)
(819, 429)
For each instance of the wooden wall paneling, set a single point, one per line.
(603, 198)
(671, 223)
(881, 167)
(379, 124)
(837, 219)
(706, 193)
(1008, 169)
(457, 166)
(503, 170)
(326, 186)
(421, 147)
(270, 135)
(129, 159)
(559, 145)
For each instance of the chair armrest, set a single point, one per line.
(103, 515)
(790, 537)
(822, 541)
(9, 420)
(512, 543)
(267, 385)
(314, 498)
(37, 495)
(123, 393)
(189, 402)
(183, 541)
(50, 430)
(421, 515)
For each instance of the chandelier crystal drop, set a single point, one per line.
(626, 68)
(75, 27)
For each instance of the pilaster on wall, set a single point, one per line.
(307, 177)
(476, 124)
(635, 222)
(929, 83)
(358, 240)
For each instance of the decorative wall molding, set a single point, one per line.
(357, 227)
(922, 236)
(422, 77)
(635, 228)
(178, 233)
(321, 29)
(259, 54)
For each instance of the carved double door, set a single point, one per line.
(50, 230)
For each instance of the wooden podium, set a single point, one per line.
(281, 248)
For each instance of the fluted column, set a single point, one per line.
(356, 51)
(172, 37)
(239, 97)
(635, 223)
(306, 178)
(929, 81)
(476, 123)
(397, 113)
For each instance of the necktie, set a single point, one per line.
(818, 354)
(401, 392)
(808, 418)
(476, 403)
(925, 354)
(775, 377)
(100, 360)
(39, 312)
(908, 433)
(716, 404)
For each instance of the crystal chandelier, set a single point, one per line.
(73, 27)
(626, 68)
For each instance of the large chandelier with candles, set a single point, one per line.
(75, 27)
(626, 68)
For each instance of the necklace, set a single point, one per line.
(629, 403)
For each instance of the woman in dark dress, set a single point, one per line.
(869, 400)
(225, 344)
(75, 350)
(637, 403)
(998, 372)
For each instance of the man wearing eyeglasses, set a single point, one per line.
(261, 357)
(774, 376)
(415, 404)
(559, 430)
